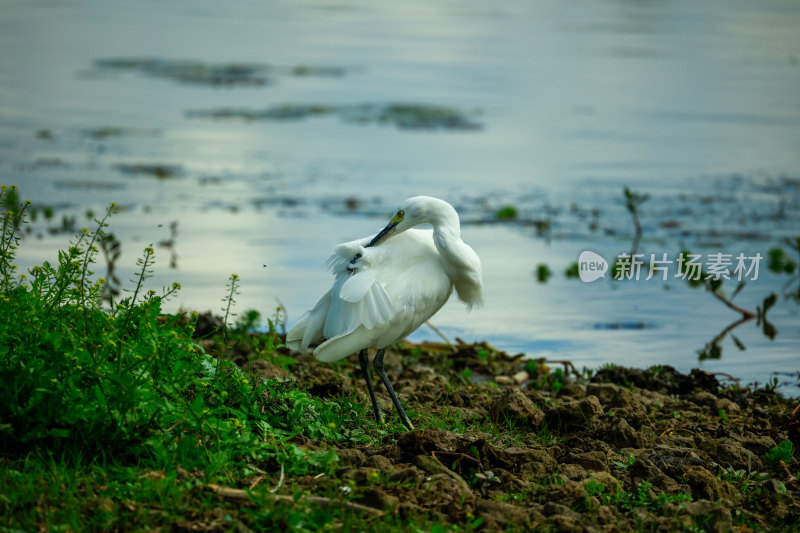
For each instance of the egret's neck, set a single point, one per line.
(447, 238)
(460, 262)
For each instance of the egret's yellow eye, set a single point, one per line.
(398, 217)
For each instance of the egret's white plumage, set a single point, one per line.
(386, 286)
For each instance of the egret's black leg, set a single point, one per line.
(378, 364)
(363, 359)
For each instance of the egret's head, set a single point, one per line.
(413, 212)
(390, 229)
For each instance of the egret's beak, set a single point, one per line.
(385, 233)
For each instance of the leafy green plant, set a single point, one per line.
(572, 271)
(508, 212)
(630, 461)
(543, 273)
(782, 453)
(136, 383)
(778, 261)
(633, 200)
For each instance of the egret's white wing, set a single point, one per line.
(355, 287)
(358, 311)
(357, 302)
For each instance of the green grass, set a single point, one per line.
(116, 418)
(782, 453)
(641, 497)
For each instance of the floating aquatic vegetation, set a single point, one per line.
(412, 116)
(115, 131)
(312, 70)
(194, 72)
(279, 112)
(217, 74)
(621, 325)
(88, 184)
(508, 212)
(159, 171)
(404, 116)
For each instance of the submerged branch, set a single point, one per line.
(745, 313)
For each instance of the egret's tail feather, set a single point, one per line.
(309, 328)
(295, 336)
(345, 345)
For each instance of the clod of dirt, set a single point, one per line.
(619, 433)
(733, 454)
(664, 379)
(500, 516)
(575, 414)
(351, 456)
(266, 370)
(718, 516)
(706, 485)
(381, 463)
(609, 482)
(423, 442)
(643, 469)
(591, 461)
(515, 407)
(379, 499)
(619, 401)
(433, 466)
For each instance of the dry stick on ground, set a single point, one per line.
(785, 468)
(439, 332)
(726, 375)
(567, 366)
(240, 495)
(280, 483)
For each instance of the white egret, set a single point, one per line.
(386, 286)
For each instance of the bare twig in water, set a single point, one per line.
(730, 328)
(745, 313)
(632, 202)
(712, 350)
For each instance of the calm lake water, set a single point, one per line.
(271, 131)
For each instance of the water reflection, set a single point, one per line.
(693, 104)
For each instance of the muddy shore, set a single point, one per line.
(508, 444)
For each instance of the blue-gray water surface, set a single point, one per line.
(271, 131)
